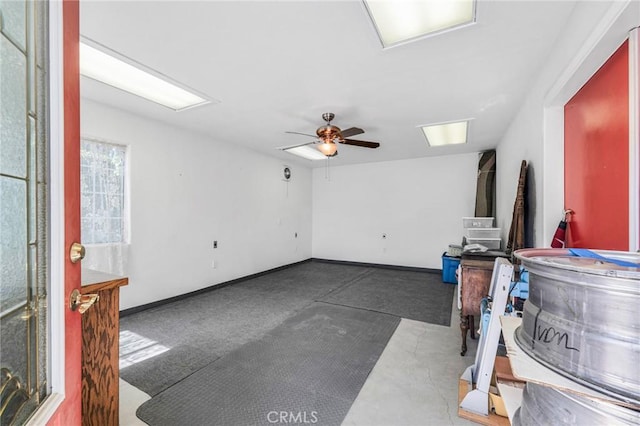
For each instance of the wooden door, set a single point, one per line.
(596, 157)
(69, 412)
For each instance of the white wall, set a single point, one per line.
(187, 190)
(592, 34)
(417, 203)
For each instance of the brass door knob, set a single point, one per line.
(76, 253)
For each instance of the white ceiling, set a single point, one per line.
(277, 66)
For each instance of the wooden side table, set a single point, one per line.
(476, 269)
(100, 349)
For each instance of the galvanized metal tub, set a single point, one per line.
(582, 319)
(549, 406)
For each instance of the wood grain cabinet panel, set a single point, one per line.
(100, 351)
(475, 282)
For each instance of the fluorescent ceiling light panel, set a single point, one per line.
(446, 133)
(108, 67)
(406, 20)
(306, 151)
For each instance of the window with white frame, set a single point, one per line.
(102, 183)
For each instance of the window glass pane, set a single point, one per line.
(13, 344)
(13, 109)
(14, 15)
(13, 228)
(102, 183)
(87, 233)
(115, 229)
(24, 208)
(100, 203)
(100, 230)
(86, 182)
(86, 209)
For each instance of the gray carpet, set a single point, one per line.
(311, 367)
(419, 296)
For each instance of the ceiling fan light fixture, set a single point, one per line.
(443, 134)
(328, 135)
(328, 148)
(399, 22)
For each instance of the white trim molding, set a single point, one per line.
(56, 134)
(634, 139)
(56, 333)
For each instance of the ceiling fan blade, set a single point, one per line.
(282, 148)
(303, 134)
(351, 131)
(365, 144)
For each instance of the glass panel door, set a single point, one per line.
(23, 209)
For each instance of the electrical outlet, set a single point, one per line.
(215, 244)
(213, 264)
(295, 235)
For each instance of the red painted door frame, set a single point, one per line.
(69, 412)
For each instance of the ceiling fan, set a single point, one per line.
(328, 135)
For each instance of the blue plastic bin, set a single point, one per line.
(449, 266)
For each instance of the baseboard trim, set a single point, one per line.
(378, 265)
(136, 309)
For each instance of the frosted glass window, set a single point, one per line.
(14, 15)
(24, 209)
(102, 180)
(13, 225)
(13, 109)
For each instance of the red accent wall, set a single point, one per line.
(69, 413)
(596, 157)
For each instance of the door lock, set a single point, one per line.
(76, 252)
(81, 302)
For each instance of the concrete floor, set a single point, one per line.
(130, 399)
(415, 381)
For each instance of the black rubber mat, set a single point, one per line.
(161, 371)
(200, 329)
(309, 369)
(420, 296)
